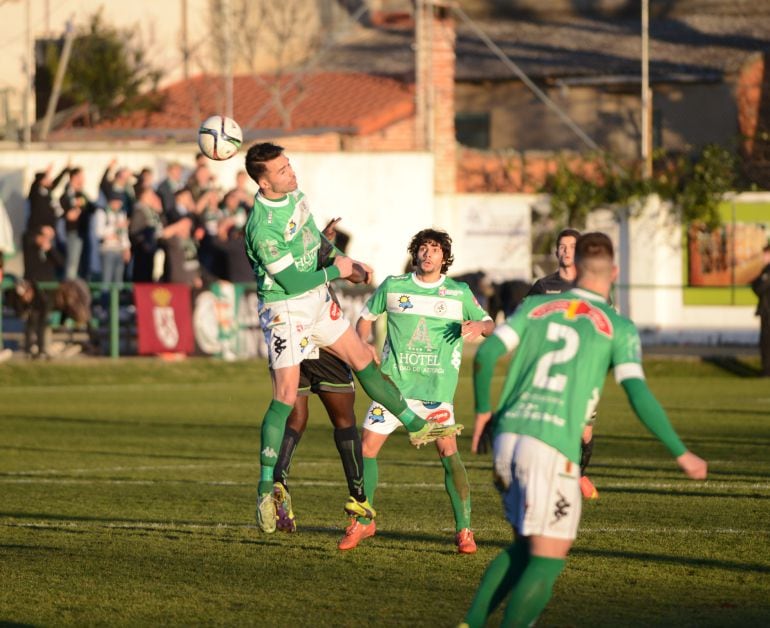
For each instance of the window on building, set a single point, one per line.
(472, 129)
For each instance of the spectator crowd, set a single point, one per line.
(180, 230)
(183, 229)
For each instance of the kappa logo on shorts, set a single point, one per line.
(334, 311)
(377, 415)
(561, 508)
(279, 344)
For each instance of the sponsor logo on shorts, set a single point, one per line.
(303, 344)
(561, 508)
(377, 415)
(404, 302)
(334, 311)
(439, 416)
(279, 344)
(431, 405)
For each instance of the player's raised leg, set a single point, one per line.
(350, 348)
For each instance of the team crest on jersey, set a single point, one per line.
(572, 309)
(440, 308)
(377, 415)
(404, 302)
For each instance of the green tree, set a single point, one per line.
(107, 69)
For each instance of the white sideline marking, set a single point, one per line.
(171, 526)
(684, 484)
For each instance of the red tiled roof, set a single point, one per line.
(354, 103)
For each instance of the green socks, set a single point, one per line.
(384, 391)
(272, 434)
(532, 592)
(371, 478)
(499, 578)
(456, 484)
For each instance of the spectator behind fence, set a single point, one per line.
(170, 186)
(111, 228)
(146, 227)
(119, 181)
(44, 210)
(145, 178)
(42, 261)
(78, 210)
(181, 263)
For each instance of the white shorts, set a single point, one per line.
(295, 328)
(540, 487)
(379, 420)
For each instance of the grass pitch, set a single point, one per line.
(128, 490)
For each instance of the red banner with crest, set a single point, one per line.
(163, 318)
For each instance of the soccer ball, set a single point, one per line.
(219, 137)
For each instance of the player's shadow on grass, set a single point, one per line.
(733, 365)
(674, 560)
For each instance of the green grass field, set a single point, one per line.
(128, 493)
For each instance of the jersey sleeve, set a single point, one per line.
(472, 310)
(377, 303)
(626, 352)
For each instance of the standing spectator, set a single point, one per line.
(111, 228)
(43, 209)
(245, 198)
(200, 182)
(144, 179)
(181, 264)
(145, 230)
(170, 186)
(78, 210)
(119, 181)
(42, 261)
(761, 287)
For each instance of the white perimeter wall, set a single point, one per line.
(649, 253)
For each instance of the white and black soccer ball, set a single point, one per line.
(219, 137)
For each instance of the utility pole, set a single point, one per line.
(646, 93)
(185, 43)
(69, 39)
(228, 58)
(26, 113)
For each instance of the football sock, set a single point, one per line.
(499, 578)
(371, 477)
(348, 442)
(586, 449)
(456, 483)
(271, 436)
(288, 447)
(532, 592)
(384, 391)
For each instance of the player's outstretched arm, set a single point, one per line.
(654, 418)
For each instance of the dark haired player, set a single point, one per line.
(564, 344)
(429, 315)
(297, 313)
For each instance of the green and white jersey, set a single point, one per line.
(278, 234)
(565, 343)
(423, 347)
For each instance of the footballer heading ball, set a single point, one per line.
(219, 137)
